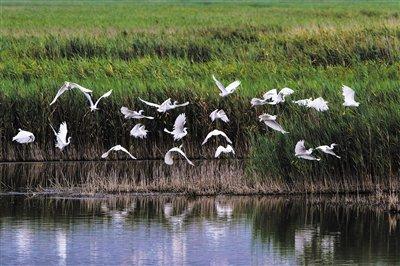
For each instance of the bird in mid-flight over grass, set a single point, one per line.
(165, 106)
(168, 158)
(139, 131)
(225, 91)
(272, 97)
(222, 149)
(328, 149)
(300, 151)
(134, 114)
(69, 86)
(117, 148)
(349, 97)
(318, 104)
(61, 136)
(179, 130)
(24, 136)
(93, 106)
(270, 121)
(216, 132)
(219, 114)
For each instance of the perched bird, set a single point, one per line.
(219, 114)
(272, 97)
(139, 131)
(93, 106)
(301, 152)
(225, 91)
(216, 132)
(349, 94)
(168, 158)
(222, 149)
(165, 106)
(24, 136)
(270, 121)
(303, 102)
(117, 148)
(318, 104)
(179, 130)
(61, 136)
(69, 86)
(134, 114)
(328, 149)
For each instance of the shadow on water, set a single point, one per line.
(204, 230)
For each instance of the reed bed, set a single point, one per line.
(156, 52)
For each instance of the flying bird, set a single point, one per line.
(216, 132)
(61, 136)
(168, 158)
(349, 94)
(225, 91)
(134, 114)
(272, 97)
(219, 114)
(222, 149)
(303, 102)
(179, 130)
(270, 121)
(117, 148)
(69, 86)
(301, 152)
(24, 136)
(93, 106)
(318, 104)
(139, 131)
(164, 106)
(328, 149)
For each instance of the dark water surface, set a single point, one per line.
(145, 230)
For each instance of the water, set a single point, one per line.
(147, 230)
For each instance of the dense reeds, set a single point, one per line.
(157, 52)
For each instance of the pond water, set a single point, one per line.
(148, 230)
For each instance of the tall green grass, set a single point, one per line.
(171, 50)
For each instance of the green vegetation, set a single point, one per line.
(172, 50)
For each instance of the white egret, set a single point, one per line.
(272, 97)
(168, 158)
(303, 102)
(93, 106)
(134, 114)
(318, 104)
(301, 152)
(117, 148)
(270, 121)
(165, 106)
(179, 130)
(349, 94)
(328, 149)
(24, 136)
(219, 114)
(139, 131)
(61, 136)
(216, 132)
(222, 149)
(225, 91)
(69, 86)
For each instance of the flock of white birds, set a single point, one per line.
(179, 131)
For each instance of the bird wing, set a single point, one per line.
(274, 125)
(233, 86)
(222, 149)
(149, 103)
(127, 152)
(300, 148)
(62, 132)
(271, 94)
(348, 94)
(319, 104)
(182, 104)
(60, 91)
(303, 102)
(125, 111)
(89, 98)
(219, 85)
(213, 115)
(104, 155)
(180, 122)
(223, 116)
(82, 89)
(286, 91)
(168, 156)
(105, 95)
